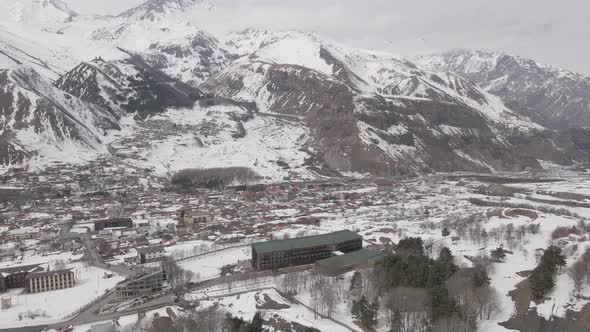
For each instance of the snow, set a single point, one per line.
(267, 141)
(244, 306)
(209, 266)
(296, 49)
(57, 304)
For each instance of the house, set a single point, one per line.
(14, 277)
(191, 217)
(49, 280)
(385, 185)
(150, 254)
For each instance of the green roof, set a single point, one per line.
(349, 259)
(305, 242)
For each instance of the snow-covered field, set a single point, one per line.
(209, 266)
(55, 305)
(206, 138)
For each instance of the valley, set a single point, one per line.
(158, 175)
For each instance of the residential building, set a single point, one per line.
(14, 277)
(146, 284)
(304, 250)
(150, 254)
(100, 225)
(24, 233)
(49, 280)
(385, 185)
(191, 217)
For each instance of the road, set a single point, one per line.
(93, 258)
(90, 315)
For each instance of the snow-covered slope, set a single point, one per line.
(155, 9)
(362, 111)
(130, 85)
(556, 98)
(42, 122)
(191, 58)
(372, 112)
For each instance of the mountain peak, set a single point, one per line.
(152, 9)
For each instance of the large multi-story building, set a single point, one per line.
(99, 225)
(49, 280)
(14, 277)
(24, 233)
(146, 284)
(192, 217)
(360, 259)
(304, 250)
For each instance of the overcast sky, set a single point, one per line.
(550, 31)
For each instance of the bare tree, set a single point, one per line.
(450, 324)
(407, 309)
(577, 272)
(329, 299)
(59, 265)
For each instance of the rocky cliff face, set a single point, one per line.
(37, 119)
(554, 97)
(382, 115)
(130, 85)
(354, 110)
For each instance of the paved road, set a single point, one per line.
(94, 259)
(90, 315)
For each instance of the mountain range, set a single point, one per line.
(69, 83)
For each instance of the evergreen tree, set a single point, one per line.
(498, 253)
(445, 232)
(410, 246)
(480, 277)
(355, 281)
(542, 279)
(364, 312)
(256, 325)
(396, 322)
(443, 305)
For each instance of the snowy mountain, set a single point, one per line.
(554, 97)
(191, 58)
(154, 9)
(39, 121)
(378, 114)
(355, 110)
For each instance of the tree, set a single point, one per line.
(396, 324)
(443, 305)
(408, 308)
(498, 253)
(445, 232)
(355, 282)
(410, 246)
(256, 325)
(577, 272)
(364, 312)
(542, 279)
(59, 265)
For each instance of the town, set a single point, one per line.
(92, 245)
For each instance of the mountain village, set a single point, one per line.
(157, 177)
